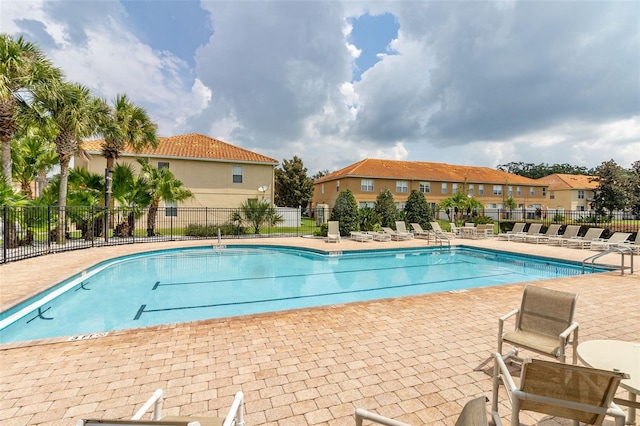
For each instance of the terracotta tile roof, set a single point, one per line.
(558, 181)
(420, 170)
(192, 145)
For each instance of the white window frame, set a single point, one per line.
(454, 188)
(480, 189)
(366, 185)
(237, 174)
(425, 187)
(532, 191)
(402, 186)
(497, 189)
(443, 188)
(518, 191)
(470, 192)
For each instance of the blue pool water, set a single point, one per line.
(191, 284)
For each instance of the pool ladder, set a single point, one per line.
(621, 250)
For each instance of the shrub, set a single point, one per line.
(345, 211)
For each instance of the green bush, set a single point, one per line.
(211, 231)
(558, 218)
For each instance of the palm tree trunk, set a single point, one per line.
(65, 145)
(151, 218)
(7, 128)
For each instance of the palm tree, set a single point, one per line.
(126, 123)
(164, 187)
(258, 212)
(132, 192)
(76, 114)
(23, 67)
(33, 155)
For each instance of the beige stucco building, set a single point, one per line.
(219, 174)
(437, 181)
(570, 192)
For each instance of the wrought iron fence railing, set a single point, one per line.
(34, 231)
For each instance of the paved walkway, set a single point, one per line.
(417, 359)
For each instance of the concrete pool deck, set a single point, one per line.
(418, 359)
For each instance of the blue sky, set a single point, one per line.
(462, 82)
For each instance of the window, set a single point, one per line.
(366, 185)
(322, 188)
(497, 189)
(480, 189)
(532, 191)
(425, 187)
(237, 174)
(544, 192)
(363, 204)
(443, 189)
(552, 195)
(171, 209)
(402, 186)
(580, 208)
(580, 194)
(338, 186)
(518, 191)
(509, 190)
(454, 188)
(470, 190)
(163, 165)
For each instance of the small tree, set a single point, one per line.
(386, 208)
(417, 209)
(634, 188)
(257, 213)
(611, 193)
(369, 219)
(345, 211)
(293, 188)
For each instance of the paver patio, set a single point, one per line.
(418, 359)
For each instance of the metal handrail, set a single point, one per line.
(439, 237)
(614, 249)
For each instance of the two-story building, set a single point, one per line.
(437, 181)
(570, 192)
(219, 174)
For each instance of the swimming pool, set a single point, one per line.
(189, 284)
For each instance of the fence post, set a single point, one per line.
(4, 233)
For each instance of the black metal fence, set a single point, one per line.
(34, 231)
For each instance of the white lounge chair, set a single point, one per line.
(518, 228)
(571, 231)
(552, 231)
(418, 232)
(633, 245)
(593, 234)
(235, 415)
(401, 228)
(333, 233)
(395, 235)
(361, 236)
(534, 229)
(614, 239)
(380, 236)
(437, 230)
(454, 229)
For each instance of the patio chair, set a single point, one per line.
(543, 323)
(614, 239)
(518, 228)
(395, 235)
(454, 229)
(552, 231)
(484, 231)
(533, 229)
(582, 394)
(418, 232)
(401, 228)
(333, 233)
(235, 415)
(593, 234)
(380, 236)
(474, 413)
(571, 231)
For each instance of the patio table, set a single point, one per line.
(616, 355)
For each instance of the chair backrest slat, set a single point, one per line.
(546, 311)
(571, 383)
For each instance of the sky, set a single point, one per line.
(478, 83)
